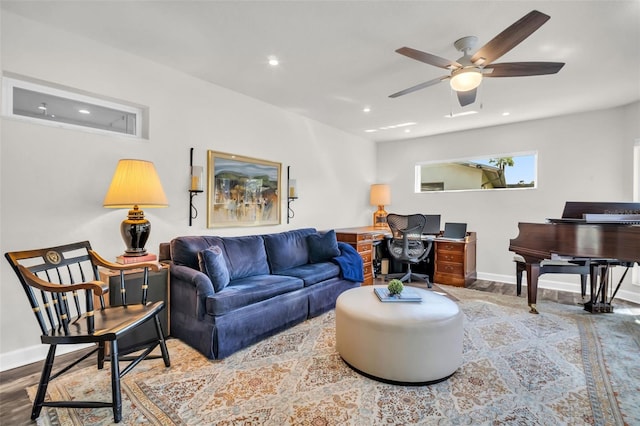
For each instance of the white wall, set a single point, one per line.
(582, 157)
(53, 180)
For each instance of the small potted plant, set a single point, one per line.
(395, 287)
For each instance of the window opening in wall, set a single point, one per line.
(63, 107)
(503, 171)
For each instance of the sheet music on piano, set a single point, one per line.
(601, 218)
(631, 219)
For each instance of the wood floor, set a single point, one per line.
(15, 406)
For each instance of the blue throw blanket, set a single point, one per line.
(350, 263)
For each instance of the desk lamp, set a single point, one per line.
(135, 184)
(380, 196)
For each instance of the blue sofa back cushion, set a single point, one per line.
(246, 256)
(322, 246)
(212, 263)
(184, 250)
(287, 250)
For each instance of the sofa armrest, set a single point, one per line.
(190, 284)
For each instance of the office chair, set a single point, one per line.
(407, 246)
(62, 284)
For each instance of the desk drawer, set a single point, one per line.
(451, 268)
(366, 256)
(450, 256)
(368, 269)
(450, 246)
(364, 248)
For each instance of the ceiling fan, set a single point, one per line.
(468, 71)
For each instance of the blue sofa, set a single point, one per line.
(230, 292)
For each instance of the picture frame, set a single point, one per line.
(242, 191)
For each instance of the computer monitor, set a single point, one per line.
(432, 227)
(455, 231)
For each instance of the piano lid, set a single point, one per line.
(577, 209)
(600, 213)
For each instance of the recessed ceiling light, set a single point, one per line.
(84, 111)
(43, 106)
(366, 109)
(395, 126)
(407, 130)
(273, 61)
(460, 114)
(504, 114)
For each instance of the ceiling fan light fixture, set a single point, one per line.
(465, 79)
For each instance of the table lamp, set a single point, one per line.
(135, 184)
(380, 196)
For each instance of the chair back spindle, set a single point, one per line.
(40, 271)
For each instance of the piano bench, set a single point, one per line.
(578, 266)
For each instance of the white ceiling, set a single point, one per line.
(338, 56)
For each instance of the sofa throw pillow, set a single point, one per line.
(322, 247)
(212, 263)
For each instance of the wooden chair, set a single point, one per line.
(62, 284)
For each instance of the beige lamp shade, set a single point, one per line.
(135, 183)
(380, 195)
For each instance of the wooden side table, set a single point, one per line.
(455, 261)
(158, 290)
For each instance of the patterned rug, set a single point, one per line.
(562, 367)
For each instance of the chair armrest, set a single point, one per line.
(98, 287)
(100, 261)
(427, 249)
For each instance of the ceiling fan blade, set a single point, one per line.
(510, 37)
(419, 86)
(428, 58)
(522, 69)
(467, 98)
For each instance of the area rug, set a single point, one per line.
(562, 367)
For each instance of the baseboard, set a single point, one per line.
(36, 353)
(627, 295)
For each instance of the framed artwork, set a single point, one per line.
(242, 191)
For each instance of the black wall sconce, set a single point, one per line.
(292, 195)
(195, 187)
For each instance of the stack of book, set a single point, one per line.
(126, 260)
(407, 295)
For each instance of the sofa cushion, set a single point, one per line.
(184, 250)
(246, 256)
(287, 250)
(250, 290)
(313, 273)
(322, 246)
(213, 264)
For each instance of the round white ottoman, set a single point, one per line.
(399, 342)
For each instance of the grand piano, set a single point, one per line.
(605, 234)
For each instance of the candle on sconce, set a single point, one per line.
(196, 178)
(293, 192)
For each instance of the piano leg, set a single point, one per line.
(533, 272)
(599, 302)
